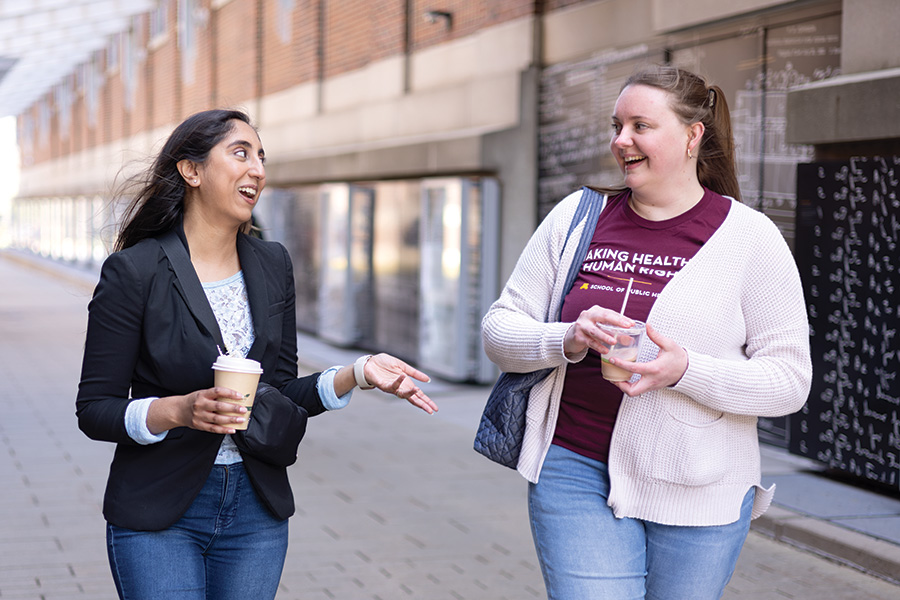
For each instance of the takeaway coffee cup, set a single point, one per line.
(242, 376)
(628, 341)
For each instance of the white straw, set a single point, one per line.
(627, 292)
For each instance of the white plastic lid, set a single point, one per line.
(236, 364)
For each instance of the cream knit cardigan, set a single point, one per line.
(684, 455)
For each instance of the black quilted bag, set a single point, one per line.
(503, 421)
(502, 425)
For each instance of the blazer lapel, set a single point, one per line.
(257, 294)
(188, 285)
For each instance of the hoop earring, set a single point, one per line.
(689, 153)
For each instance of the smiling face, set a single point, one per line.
(650, 143)
(226, 186)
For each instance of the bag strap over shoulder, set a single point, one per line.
(589, 208)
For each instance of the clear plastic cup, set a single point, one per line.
(628, 342)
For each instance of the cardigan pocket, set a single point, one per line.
(690, 454)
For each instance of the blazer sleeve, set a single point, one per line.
(112, 345)
(302, 390)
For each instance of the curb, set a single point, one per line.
(83, 277)
(862, 552)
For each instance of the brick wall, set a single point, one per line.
(114, 96)
(358, 32)
(79, 120)
(53, 145)
(236, 52)
(196, 63)
(468, 17)
(139, 103)
(245, 49)
(290, 44)
(164, 77)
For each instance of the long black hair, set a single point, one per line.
(158, 202)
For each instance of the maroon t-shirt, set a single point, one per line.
(625, 246)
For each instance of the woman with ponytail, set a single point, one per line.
(645, 488)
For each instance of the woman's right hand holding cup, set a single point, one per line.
(201, 410)
(586, 331)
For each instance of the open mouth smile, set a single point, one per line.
(633, 160)
(248, 192)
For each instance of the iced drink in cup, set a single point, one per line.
(628, 341)
(242, 376)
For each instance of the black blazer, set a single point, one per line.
(144, 340)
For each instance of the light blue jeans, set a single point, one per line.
(227, 546)
(586, 552)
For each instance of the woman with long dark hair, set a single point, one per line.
(645, 487)
(192, 514)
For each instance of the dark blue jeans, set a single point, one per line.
(227, 546)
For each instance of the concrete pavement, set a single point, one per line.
(391, 503)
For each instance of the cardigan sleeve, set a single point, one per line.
(775, 378)
(515, 331)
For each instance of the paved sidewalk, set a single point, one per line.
(391, 503)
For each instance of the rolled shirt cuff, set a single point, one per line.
(136, 422)
(325, 387)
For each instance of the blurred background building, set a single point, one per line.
(414, 145)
